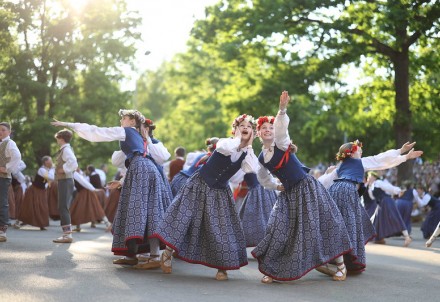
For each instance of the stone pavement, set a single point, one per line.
(32, 268)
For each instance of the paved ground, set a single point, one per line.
(32, 268)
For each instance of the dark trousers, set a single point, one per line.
(4, 205)
(65, 196)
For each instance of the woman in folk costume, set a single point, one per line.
(34, 209)
(386, 218)
(201, 224)
(144, 197)
(258, 202)
(180, 179)
(86, 206)
(343, 184)
(305, 229)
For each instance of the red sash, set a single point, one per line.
(284, 159)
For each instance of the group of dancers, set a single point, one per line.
(308, 224)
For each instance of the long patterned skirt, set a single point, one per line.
(356, 221)
(305, 230)
(203, 227)
(143, 202)
(255, 212)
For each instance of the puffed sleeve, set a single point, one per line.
(83, 181)
(328, 178)
(384, 160)
(281, 124)
(227, 146)
(266, 179)
(14, 163)
(387, 187)
(94, 133)
(250, 163)
(69, 158)
(158, 151)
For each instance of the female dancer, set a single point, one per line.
(144, 198)
(180, 179)
(86, 206)
(386, 219)
(344, 190)
(201, 224)
(305, 229)
(34, 209)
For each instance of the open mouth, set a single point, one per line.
(245, 132)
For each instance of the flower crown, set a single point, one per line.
(265, 119)
(149, 122)
(240, 119)
(134, 113)
(348, 152)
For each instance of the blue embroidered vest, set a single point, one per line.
(290, 173)
(133, 143)
(219, 169)
(351, 169)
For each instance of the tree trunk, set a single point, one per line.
(402, 119)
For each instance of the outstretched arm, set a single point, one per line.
(94, 133)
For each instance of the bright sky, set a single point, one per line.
(166, 27)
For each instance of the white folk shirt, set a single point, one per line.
(11, 151)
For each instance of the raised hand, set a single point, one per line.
(406, 147)
(58, 123)
(413, 154)
(284, 100)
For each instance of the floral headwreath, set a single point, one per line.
(134, 113)
(149, 122)
(348, 152)
(241, 118)
(211, 143)
(264, 119)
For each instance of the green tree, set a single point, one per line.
(59, 55)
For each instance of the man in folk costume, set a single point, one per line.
(10, 158)
(66, 164)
